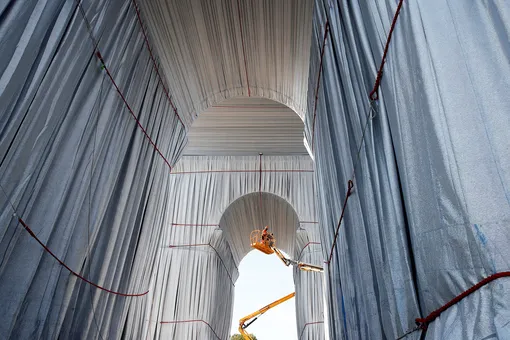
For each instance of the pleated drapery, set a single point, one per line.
(96, 98)
(428, 217)
(216, 203)
(78, 168)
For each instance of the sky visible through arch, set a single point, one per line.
(262, 280)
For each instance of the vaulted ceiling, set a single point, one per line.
(246, 126)
(215, 50)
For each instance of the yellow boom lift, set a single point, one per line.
(255, 315)
(268, 247)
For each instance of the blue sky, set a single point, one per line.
(262, 280)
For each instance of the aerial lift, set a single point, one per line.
(255, 315)
(268, 247)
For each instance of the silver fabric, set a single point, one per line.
(246, 126)
(75, 167)
(429, 216)
(208, 233)
(216, 50)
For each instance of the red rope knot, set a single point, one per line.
(374, 93)
(350, 186)
(373, 109)
(423, 323)
(100, 57)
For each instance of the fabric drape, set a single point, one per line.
(77, 169)
(215, 204)
(429, 212)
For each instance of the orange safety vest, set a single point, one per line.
(264, 234)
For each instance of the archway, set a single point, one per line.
(262, 278)
(202, 242)
(254, 211)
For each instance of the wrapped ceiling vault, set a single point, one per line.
(97, 98)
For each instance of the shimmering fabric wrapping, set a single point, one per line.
(429, 216)
(77, 169)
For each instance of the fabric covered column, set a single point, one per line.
(78, 169)
(428, 213)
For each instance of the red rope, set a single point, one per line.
(308, 324)
(306, 245)
(27, 228)
(233, 171)
(349, 191)
(188, 321)
(194, 225)
(326, 30)
(189, 245)
(242, 42)
(374, 95)
(424, 322)
(154, 60)
(260, 182)
(202, 245)
(131, 111)
(250, 107)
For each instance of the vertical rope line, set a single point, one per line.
(244, 52)
(326, 30)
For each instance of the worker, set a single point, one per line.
(270, 238)
(265, 234)
(267, 238)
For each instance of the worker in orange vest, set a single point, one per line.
(267, 238)
(265, 234)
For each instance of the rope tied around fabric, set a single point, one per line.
(176, 246)
(27, 228)
(323, 48)
(374, 93)
(308, 324)
(137, 120)
(372, 113)
(350, 186)
(160, 78)
(193, 320)
(424, 322)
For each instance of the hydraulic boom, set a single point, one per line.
(255, 315)
(267, 247)
(301, 265)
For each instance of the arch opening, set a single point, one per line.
(254, 211)
(262, 278)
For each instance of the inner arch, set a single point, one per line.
(246, 126)
(254, 211)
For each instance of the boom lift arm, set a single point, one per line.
(269, 248)
(301, 265)
(255, 315)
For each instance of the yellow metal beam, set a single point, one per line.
(261, 311)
